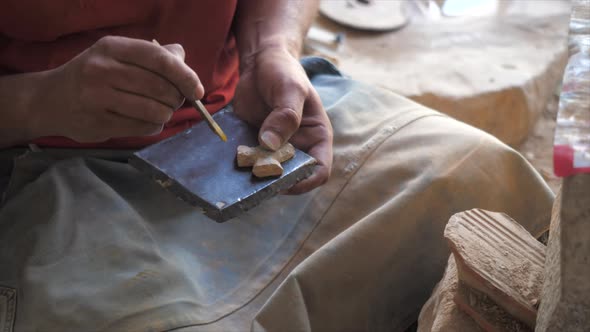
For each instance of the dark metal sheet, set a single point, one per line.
(199, 168)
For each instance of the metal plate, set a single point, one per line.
(199, 168)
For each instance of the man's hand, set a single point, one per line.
(119, 87)
(275, 94)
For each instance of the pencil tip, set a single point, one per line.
(220, 133)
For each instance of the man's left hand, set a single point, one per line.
(275, 94)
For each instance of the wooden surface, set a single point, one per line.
(565, 298)
(498, 257)
(488, 315)
(565, 302)
(264, 162)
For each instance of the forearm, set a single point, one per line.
(16, 100)
(273, 23)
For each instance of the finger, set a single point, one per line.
(176, 49)
(112, 125)
(122, 126)
(322, 152)
(319, 143)
(143, 82)
(154, 58)
(287, 99)
(320, 175)
(137, 107)
(247, 103)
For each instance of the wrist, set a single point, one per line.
(249, 55)
(17, 99)
(290, 45)
(35, 105)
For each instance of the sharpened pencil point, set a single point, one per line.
(220, 133)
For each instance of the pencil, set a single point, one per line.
(198, 105)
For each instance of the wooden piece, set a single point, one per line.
(268, 166)
(498, 257)
(565, 300)
(264, 162)
(488, 315)
(565, 304)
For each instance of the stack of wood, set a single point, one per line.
(497, 281)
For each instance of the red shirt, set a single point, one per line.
(37, 35)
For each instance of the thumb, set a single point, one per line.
(176, 49)
(284, 119)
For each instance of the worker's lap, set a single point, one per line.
(379, 250)
(401, 171)
(98, 236)
(93, 245)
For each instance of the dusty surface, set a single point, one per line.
(441, 313)
(498, 257)
(486, 313)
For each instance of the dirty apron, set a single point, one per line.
(87, 243)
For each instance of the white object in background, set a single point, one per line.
(373, 15)
(319, 35)
(469, 7)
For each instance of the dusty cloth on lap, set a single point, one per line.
(92, 245)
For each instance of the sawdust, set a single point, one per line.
(486, 310)
(440, 313)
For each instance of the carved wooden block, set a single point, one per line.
(498, 257)
(264, 162)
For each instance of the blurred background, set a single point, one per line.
(495, 64)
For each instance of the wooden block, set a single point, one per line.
(565, 300)
(264, 162)
(488, 315)
(267, 167)
(498, 257)
(246, 156)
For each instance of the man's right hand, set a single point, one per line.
(119, 87)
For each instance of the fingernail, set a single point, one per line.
(271, 140)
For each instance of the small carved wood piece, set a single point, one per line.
(264, 162)
(499, 258)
